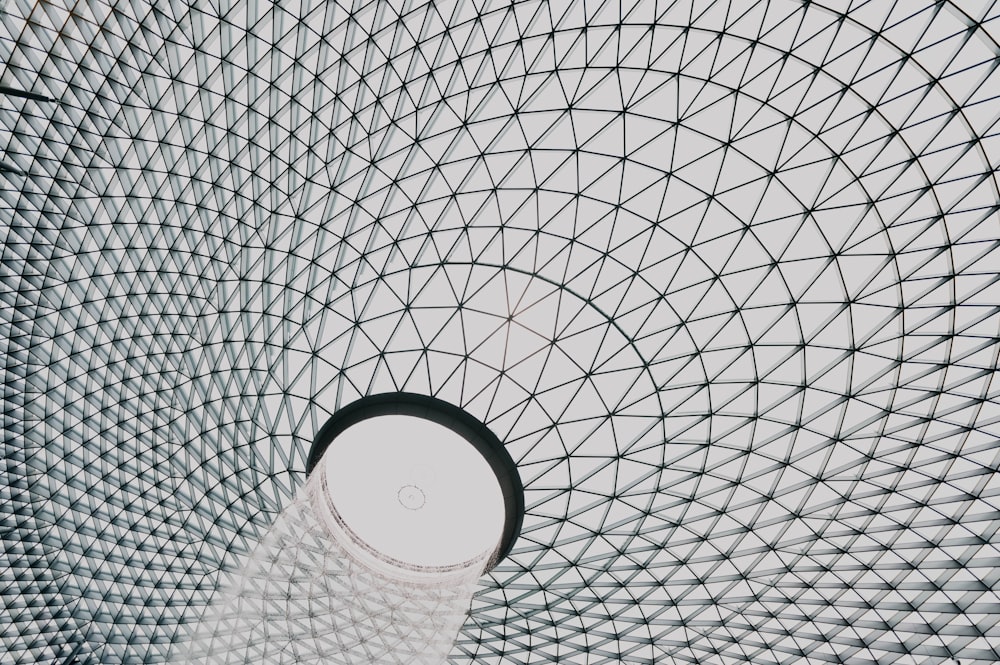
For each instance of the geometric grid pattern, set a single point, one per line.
(305, 598)
(723, 276)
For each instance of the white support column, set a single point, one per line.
(310, 596)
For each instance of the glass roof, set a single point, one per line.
(723, 276)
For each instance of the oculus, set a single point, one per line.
(416, 485)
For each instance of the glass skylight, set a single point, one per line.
(724, 277)
(414, 492)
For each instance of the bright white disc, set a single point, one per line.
(415, 491)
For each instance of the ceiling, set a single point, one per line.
(723, 276)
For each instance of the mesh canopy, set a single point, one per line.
(723, 276)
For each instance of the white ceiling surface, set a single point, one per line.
(723, 277)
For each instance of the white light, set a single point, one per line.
(415, 492)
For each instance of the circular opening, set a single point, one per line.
(419, 483)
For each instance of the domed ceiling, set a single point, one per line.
(723, 276)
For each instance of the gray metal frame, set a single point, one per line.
(723, 276)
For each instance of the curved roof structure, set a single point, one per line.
(723, 276)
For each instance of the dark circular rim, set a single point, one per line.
(457, 420)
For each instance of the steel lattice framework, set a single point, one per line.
(722, 275)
